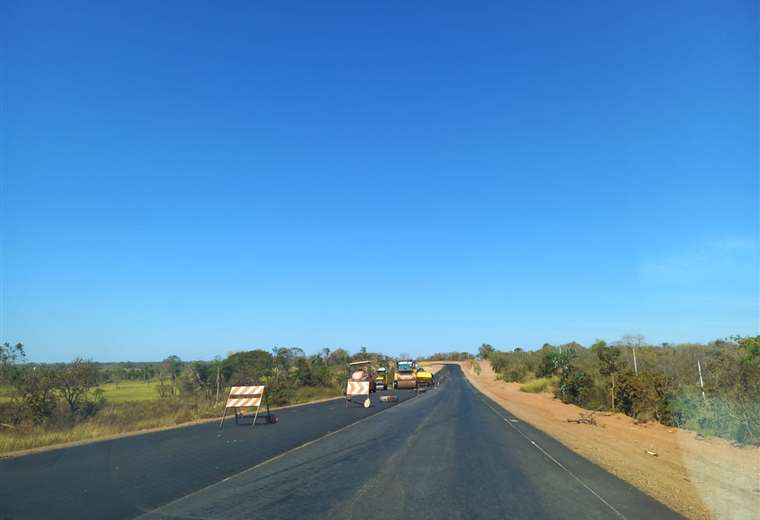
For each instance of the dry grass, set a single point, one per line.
(119, 418)
(541, 384)
(114, 419)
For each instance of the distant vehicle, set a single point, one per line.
(362, 371)
(381, 378)
(406, 375)
(424, 377)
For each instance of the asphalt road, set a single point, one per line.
(125, 477)
(448, 453)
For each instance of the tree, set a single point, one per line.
(575, 386)
(172, 367)
(320, 372)
(74, 381)
(36, 387)
(198, 379)
(9, 356)
(548, 366)
(609, 364)
(485, 351)
(285, 357)
(218, 379)
(338, 357)
(749, 345)
(732, 379)
(633, 341)
(247, 367)
(304, 373)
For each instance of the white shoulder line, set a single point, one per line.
(555, 461)
(278, 456)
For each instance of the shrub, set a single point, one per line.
(36, 387)
(574, 387)
(646, 396)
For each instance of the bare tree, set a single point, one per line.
(633, 341)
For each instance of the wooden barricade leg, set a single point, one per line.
(221, 423)
(269, 415)
(256, 415)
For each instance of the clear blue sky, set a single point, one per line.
(192, 178)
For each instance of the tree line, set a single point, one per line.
(711, 388)
(69, 392)
(450, 356)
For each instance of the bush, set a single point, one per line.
(513, 366)
(574, 387)
(37, 397)
(645, 397)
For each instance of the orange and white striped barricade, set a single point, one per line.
(357, 388)
(246, 397)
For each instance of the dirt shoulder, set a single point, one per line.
(700, 478)
(434, 367)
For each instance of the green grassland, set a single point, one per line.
(127, 391)
(123, 392)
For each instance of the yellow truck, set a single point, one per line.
(405, 375)
(381, 378)
(424, 378)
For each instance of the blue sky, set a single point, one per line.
(185, 178)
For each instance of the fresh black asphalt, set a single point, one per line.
(448, 453)
(125, 477)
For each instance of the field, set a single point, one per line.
(113, 392)
(130, 391)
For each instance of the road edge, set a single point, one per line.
(73, 444)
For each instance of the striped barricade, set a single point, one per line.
(242, 397)
(357, 388)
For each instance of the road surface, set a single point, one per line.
(448, 453)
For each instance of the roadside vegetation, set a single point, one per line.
(450, 356)
(713, 389)
(539, 385)
(46, 404)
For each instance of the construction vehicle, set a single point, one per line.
(424, 377)
(405, 376)
(381, 378)
(362, 371)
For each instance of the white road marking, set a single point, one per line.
(276, 457)
(555, 461)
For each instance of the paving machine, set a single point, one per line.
(405, 376)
